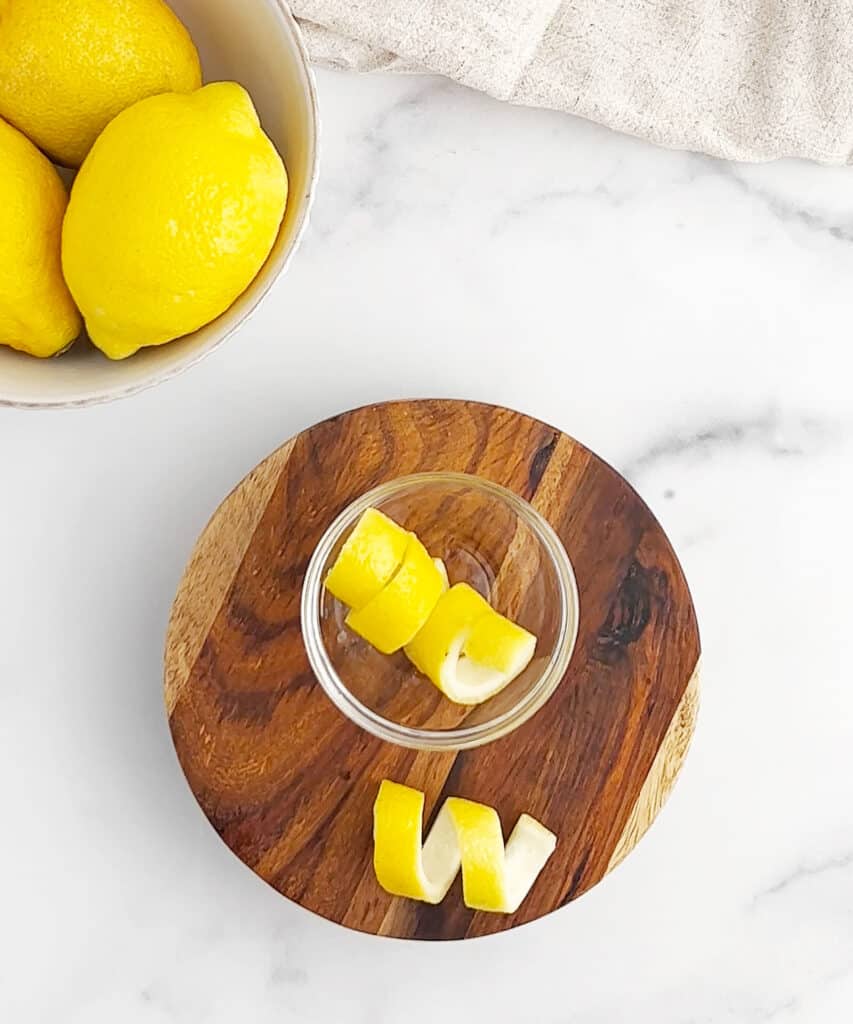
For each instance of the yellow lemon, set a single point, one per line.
(67, 67)
(467, 649)
(37, 314)
(400, 609)
(369, 558)
(465, 833)
(171, 217)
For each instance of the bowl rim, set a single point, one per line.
(280, 265)
(465, 737)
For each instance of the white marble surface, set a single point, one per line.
(688, 319)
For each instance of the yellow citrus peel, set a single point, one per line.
(494, 877)
(467, 649)
(393, 617)
(367, 561)
(400, 597)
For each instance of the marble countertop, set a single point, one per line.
(686, 318)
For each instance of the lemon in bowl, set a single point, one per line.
(37, 314)
(68, 67)
(257, 44)
(171, 217)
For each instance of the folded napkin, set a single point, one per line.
(744, 79)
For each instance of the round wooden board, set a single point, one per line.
(288, 782)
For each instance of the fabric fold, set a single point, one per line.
(742, 79)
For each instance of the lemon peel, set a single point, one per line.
(465, 834)
(367, 561)
(399, 597)
(396, 614)
(467, 649)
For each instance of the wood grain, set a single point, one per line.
(288, 782)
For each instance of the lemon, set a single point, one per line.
(465, 833)
(392, 618)
(171, 217)
(37, 314)
(467, 649)
(369, 558)
(67, 67)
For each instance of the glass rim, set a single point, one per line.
(464, 737)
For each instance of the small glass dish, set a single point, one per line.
(488, 537)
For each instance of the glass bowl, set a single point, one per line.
(488, 537)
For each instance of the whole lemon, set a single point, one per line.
(67, 67)
(171, 217)
(37, 314)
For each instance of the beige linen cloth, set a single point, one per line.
(744, 79)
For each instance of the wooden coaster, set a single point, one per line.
(289, 782)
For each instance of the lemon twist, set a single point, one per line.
(400, 597)
(469, 650)
(367, 561)
(396, 614)
(494, 877)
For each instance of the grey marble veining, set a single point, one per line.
(805, 872)
(768, 433)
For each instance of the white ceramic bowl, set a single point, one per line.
(255, 43)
